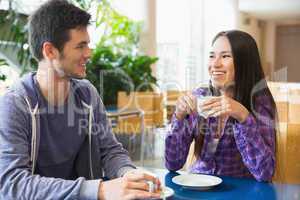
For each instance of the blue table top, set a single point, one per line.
(231, 188)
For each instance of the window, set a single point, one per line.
(184, 30)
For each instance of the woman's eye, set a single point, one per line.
(226, 56)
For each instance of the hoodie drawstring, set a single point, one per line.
(90, 107)
(33, 112)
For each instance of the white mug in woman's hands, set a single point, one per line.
(200, 102)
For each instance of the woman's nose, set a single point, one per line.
(216, 62)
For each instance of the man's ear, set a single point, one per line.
(49, 51)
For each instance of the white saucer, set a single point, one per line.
(197, 181)
(166, 192)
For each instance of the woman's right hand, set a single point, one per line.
(186, 104)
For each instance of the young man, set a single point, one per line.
(55, 141)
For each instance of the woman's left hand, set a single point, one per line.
(226, 106)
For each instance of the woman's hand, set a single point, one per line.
(225, 106)
(185, 104)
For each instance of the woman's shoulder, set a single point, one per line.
(263, 97)
(264, 101)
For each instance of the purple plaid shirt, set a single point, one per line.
(244, 150)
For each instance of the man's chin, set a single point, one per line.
(77, 76)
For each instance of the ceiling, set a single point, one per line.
(271, 9)
(262, 9)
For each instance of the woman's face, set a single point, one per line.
(220, 64)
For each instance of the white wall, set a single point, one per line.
(270, 44)
(251, 25)
(264, 35)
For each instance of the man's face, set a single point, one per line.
(76, 53)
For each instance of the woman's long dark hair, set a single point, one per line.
(249, 78)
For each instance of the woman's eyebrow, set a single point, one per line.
(224, 52)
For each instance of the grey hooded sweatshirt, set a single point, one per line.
(56, 152)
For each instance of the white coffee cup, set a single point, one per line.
(200, 102)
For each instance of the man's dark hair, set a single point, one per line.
(52, 23)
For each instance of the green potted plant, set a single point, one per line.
(116, 63)
(14, 37)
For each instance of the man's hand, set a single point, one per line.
(133, 185)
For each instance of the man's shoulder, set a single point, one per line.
(10, 96)
(16, 91)
(23, 86)
(13, 104)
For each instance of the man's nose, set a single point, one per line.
(88, 53)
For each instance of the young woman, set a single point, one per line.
(238, 136)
